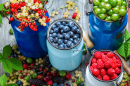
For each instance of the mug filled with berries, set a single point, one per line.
(30, 20)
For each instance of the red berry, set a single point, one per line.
(118, 70)
(39, 2)
(45, 11)
(11, 18)
(103, 72)
(25, 66)
(29, 68)
(21, 71)
(32, 27)
(22, 77)
(114, 65)
(35, 1)
(98, 55)
(107, 64)
(40, 13)
(113, 76)
(100, 65)
(106, 78)
(45, 2)
(126, 85)
(7, 12)
(12, 5)
(28, 19)
(20, 3)
(86, 64)
(68, 76)
(94, 65)
(12, 9)
(39, 76)
(19, 27)
(99, 77)
(44, 71)
(23, 4)
(94, 60)
(26, 73)
(32, 85)
(34, 23)
(35, 29)
(104, 58)
(95, 72)
(46, 78)
(40, 69)
(26, 24)
(110, 54)
(50, 82)
(32, 64)
(23, 23)
(91, 68)
(47, 20)
(111, 71)
(73, 80)
(74, 15)
(16, 5)
(19, 7)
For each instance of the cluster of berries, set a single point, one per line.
(105, 65)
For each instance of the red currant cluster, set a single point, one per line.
(27, 12)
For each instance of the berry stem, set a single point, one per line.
(5, 15)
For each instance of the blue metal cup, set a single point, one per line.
(65, 59)
(31, 43)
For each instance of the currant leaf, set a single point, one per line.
(7, 66)
(7, 51)
(3, 80)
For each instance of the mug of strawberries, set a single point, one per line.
(105, 69)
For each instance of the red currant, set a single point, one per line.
(31, 26)
(21, 71)
(47, 20)
(23, 4)
(34, 23)
(12, 5)
(22, 29)
(35, 29)
(45, 2)
(45, 11)
(7, 12)
(23, 23)
(32, 85)
(12, 9)
(22, 77)
(16, 5)
(35, 1)
(19, 27)
(44, 71)
(32, 64)
(29, 68)
(25, 66)
(40, 14)
(20, 3)
(27, 73)
(11, 18)
(26, 24)
(73, 80)
(40, 69)
(19, 7)
(39, 2)
(74, 15)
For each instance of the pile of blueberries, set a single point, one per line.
(64, 35)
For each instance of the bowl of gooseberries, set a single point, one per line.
(110, 10)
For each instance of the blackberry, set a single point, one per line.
(59, 79)
(36, 82)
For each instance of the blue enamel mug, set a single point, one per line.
(31, 43)
(65, 59)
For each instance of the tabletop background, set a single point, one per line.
(6, 38)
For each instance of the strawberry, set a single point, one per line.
(74, 15)
(110, 54)
(94, 65)
(99, 77)
(68, 76)
(95, 72)
(113, 76)
(103, 72)
(106, 78)
(110, 71)
(98, 55)
(104, 58)
(91, 68)
(107, 64)
(94, 60)
(100, 65)
(117, 70)
(50, 82)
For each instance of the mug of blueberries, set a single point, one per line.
(63, 37)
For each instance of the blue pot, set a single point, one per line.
(31, 43)
(65, 59)
(106, 35)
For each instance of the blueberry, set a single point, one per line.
(56, 30)
(66, 29)
(71, 24)
(82, 84)
(55, 44)
(75, 36)
(69, 43)
(61, 31)
(60, 41)
(72, 45)
(78, 31)
(50, 35)
(74, 29)
(55, 39)
(51, 39)
(65, 41)
(54, 35)
(51, 31)
(65, 46)
(58, 23)
(61, 46)
(71, 39)
(61, 84)
(67, 36)
(71, 34)
(78, 39)
(61, 26)
(64, 34)
(53, 26)
(60, 36)
(18, 82)
(63, 23)
(75, 41)
(54, 84)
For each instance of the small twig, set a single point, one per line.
(5, 15)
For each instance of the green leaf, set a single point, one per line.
(7, 66)
(128, 41)
(0, 55)
(126, 35)
(0, 19)
(3, 80)
(16, 64)
(7, 51)
(1, 7)
(121, 50)
(11, 85)
(128, 52)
